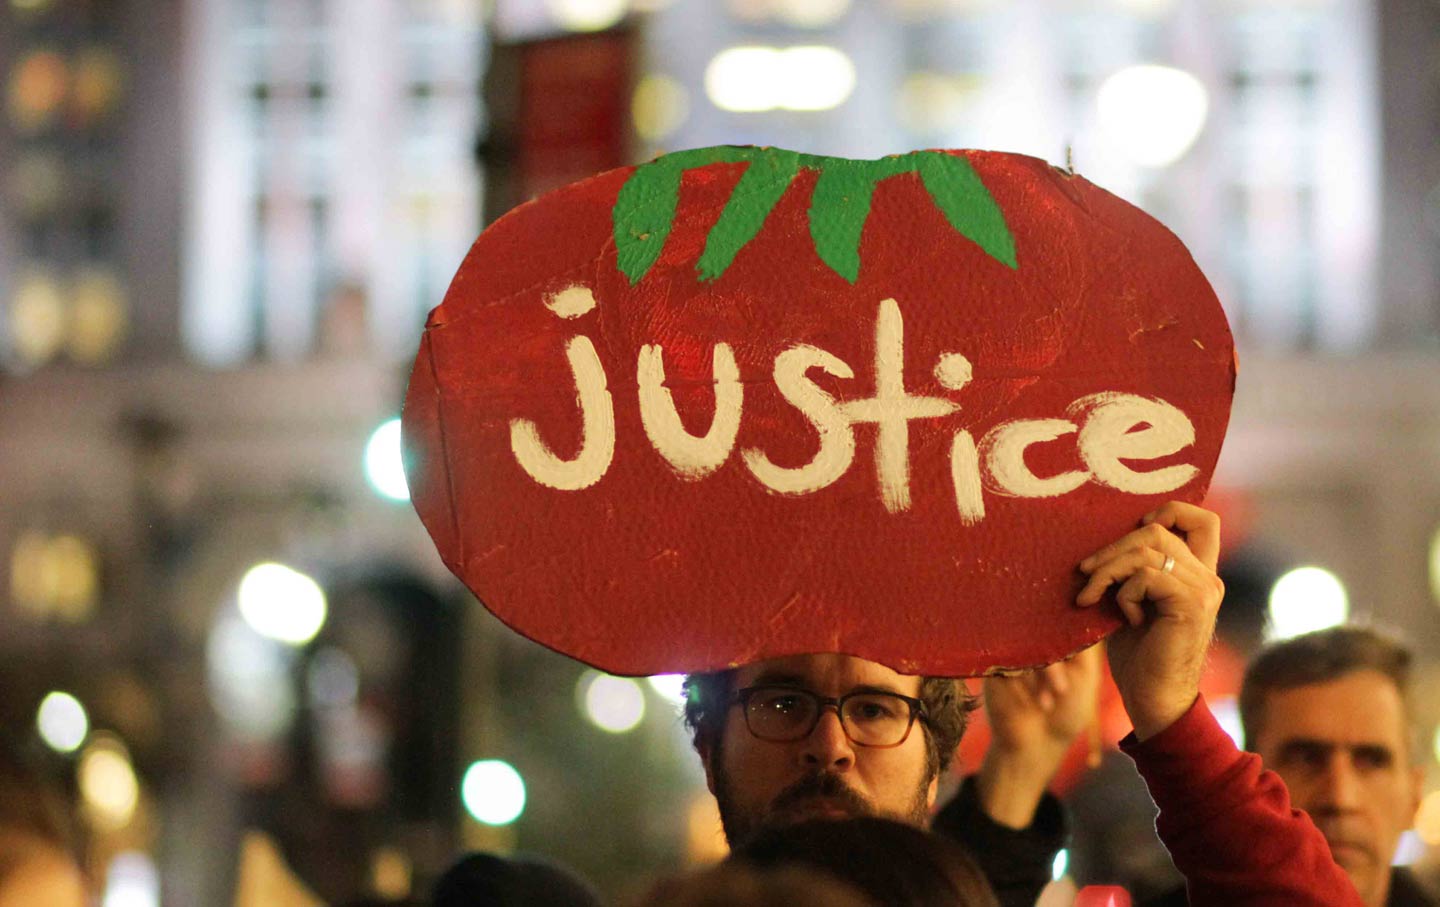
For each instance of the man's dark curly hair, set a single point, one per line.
(948, 705)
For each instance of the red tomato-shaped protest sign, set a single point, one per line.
(739, 403)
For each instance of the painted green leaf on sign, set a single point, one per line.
(644, 211)
(838, 209)
(956, 189)
(765, 180)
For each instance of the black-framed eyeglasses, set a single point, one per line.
(871, 718)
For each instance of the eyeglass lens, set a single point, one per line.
(869, 719)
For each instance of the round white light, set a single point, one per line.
(742, 79)
(814, 78)
(587, 15)
(62, 722)
(1304, 600)
(107, 782)
(384, 466)
(1152, 114)
(614, 704)
(132, 881)
(670, 686)
(1059, 865)
(282, 604)
(493, 792)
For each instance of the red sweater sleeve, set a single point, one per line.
(1228, 824)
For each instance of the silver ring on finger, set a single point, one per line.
(1169, 565)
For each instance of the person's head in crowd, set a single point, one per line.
(490, 880)
(1330, 712)
(892, 864)
(822, 736)
(38, 862)
(737, 885)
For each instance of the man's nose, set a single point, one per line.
(827, 747)
(1340, 785)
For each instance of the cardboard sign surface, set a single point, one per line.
(738, 403)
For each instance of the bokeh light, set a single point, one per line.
(37, 318)
(132, 881)
(1427, 819)
(37, 88)
(97, 83)
(249, 680)
(613, 704)
(1152, 114)
(811, 13)
(669, 686)
(738, 79)
(815, 78)
(282, 604)
(108, 786)
(659, 107)
(751, 79)
(384, 462)
(73, 577)
(493, 792)
(1060, 864)
(1304, 600)
(62, 722)
(98, 319)
(55, 577)
(587, 15)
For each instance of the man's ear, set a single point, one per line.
(932, 791)
(1417, 787)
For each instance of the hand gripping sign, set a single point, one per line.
(738, 403)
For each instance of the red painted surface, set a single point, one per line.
(646, 572)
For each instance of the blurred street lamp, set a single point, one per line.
(108, 786)
(62, 722)
(587, 15)
(613, 704)
(1304, 600)
(384, 464)
(1152, 114)
(282, 604)
(753, 79)
(493, 792)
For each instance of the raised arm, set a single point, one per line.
(1228, 824)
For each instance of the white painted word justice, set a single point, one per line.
(1110, 428)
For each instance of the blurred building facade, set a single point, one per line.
(225, 220)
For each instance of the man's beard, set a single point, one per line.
(816, 795)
